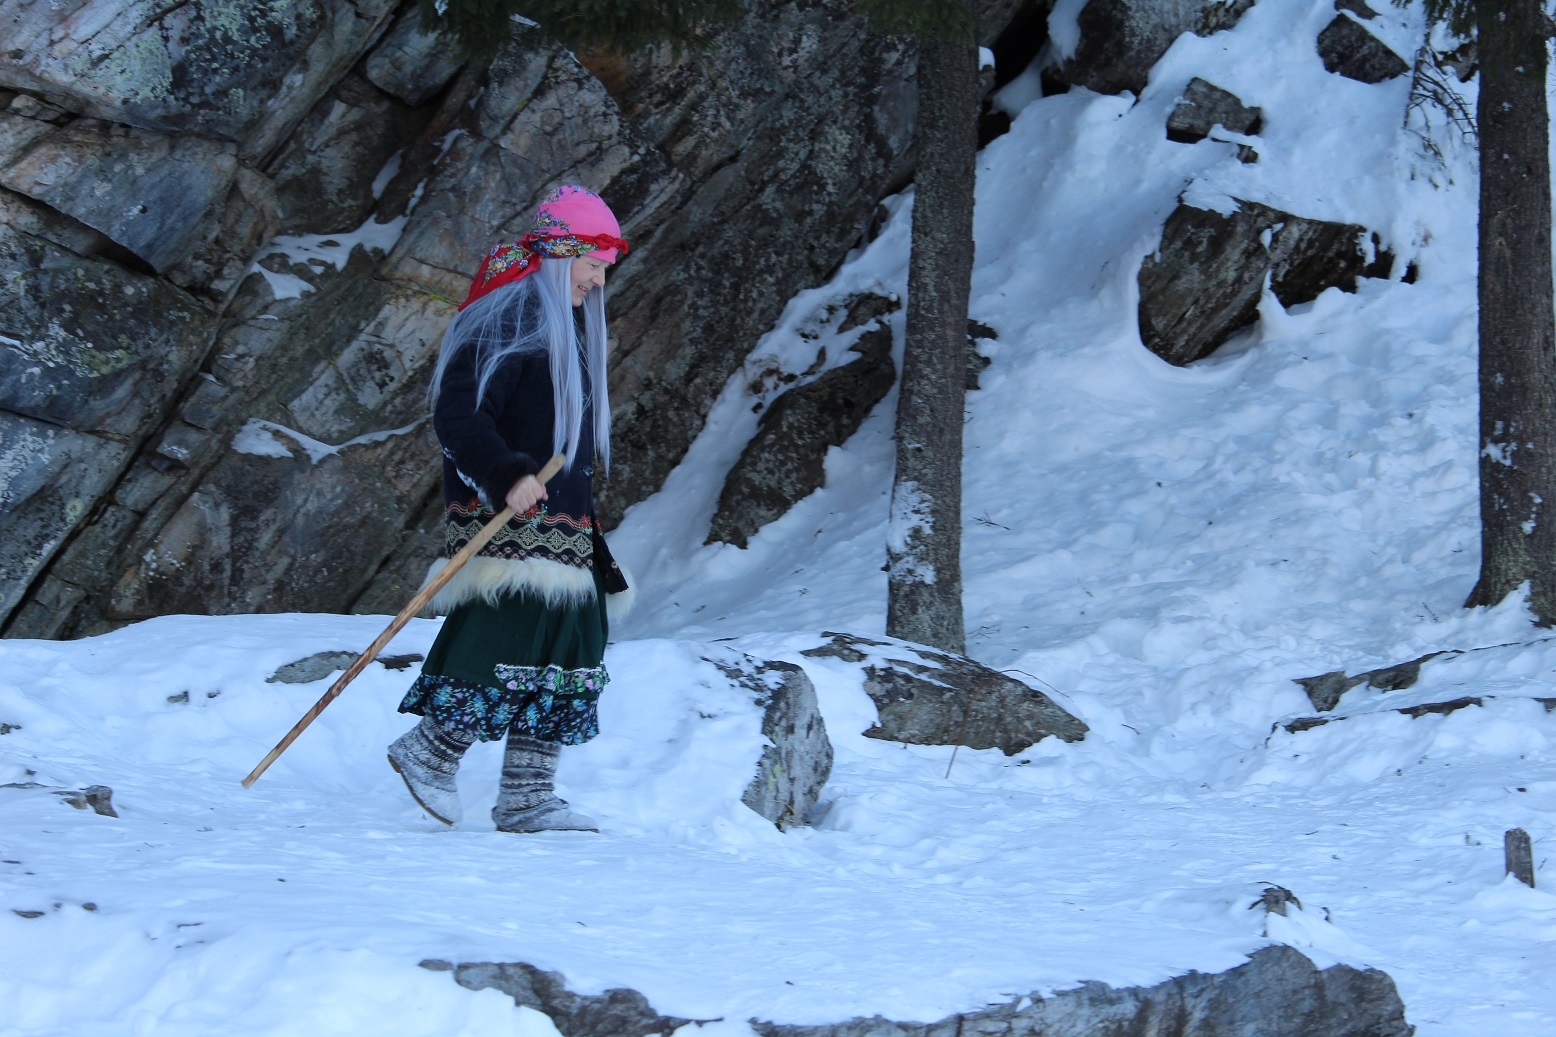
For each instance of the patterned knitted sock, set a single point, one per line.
(527, 799)
(427, 757)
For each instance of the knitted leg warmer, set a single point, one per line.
(527, 799)
(427, 757)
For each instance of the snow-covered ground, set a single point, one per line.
(1165, 549)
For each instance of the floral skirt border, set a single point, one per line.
(543, 702)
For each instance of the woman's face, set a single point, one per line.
(588, 275)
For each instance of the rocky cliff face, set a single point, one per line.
(231, 235)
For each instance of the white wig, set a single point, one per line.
(507, 322)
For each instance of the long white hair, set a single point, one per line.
(531, 316)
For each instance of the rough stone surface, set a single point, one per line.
(1206, 106)
(1348, 49)
(321, 664)
(786, 459)
(90, 355)
(279, 464)
(147, 191)
(212, 68)
(325, 172)
(96, 798)
(1203, 283)
(1324, 691)
(1122, 39)
(928, 697)
(410, 64)
(798, 760)
(1277, 993)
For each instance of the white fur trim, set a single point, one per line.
(618, 605)
(491, 578)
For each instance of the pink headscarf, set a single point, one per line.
(572, 221)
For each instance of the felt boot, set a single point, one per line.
(527, 799)
(427, 757)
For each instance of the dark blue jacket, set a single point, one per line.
(489, 446)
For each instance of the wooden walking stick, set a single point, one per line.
(414, 606)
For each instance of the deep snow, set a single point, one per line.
(1166, 549)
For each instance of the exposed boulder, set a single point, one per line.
(1349, 49)
(928, 697)
(320, 665)
(798, 758)
(1121, 40)
(1204, 107)
(96, 798)
(1277, 993)
(750, 730)
(786, 460)
(1203, 283)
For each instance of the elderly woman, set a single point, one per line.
(521, 376)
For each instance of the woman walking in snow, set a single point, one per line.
(521, 376)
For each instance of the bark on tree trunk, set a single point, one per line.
(1517, 325)
(924, 540)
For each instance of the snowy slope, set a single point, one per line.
(1166, 548)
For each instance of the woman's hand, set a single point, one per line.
(525, 493)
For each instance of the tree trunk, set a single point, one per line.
(1517, 326)
(924, 540)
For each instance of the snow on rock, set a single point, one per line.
(928, 697)
(1278, 993)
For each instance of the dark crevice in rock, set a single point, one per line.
(1014, 49)
(1277, 993)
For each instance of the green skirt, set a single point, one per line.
(521, 664)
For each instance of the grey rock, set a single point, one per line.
(1204, 107)
(324, 173)
(90, 355)
(411, 64)
(1324, 691)
(1121, 40)
(321, 664)
(96, 798)
(1421, 709)
(401, 574)
(786, 460)
(1277, 993)
(618, 1012)
(89, 345)
(744, 172)
(242, 73)
(1203, 283)
(798, 759)
(928, 697)
(312, 668)
(147, 191)
(1349, 49)
(324, 524)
